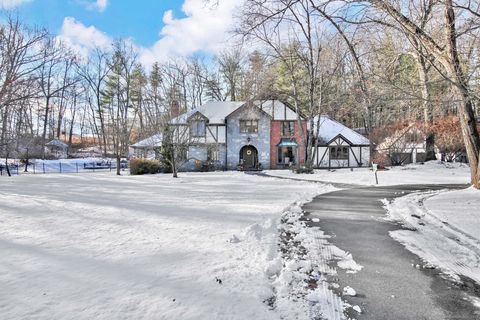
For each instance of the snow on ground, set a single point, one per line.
(308, 279)
(443, 228)
(432, 172)
(98, 246)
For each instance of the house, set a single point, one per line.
(339, 146)
(57, 148)
(240, 135)
(148, 148)
(404, 146)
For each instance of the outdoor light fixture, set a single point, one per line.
(248, 140)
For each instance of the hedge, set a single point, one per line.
(143, 166)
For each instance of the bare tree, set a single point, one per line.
(445, 52)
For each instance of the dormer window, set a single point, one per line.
(197, 129)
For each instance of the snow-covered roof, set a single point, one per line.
(150, 142)
(57, 143)
(217, 111)
(214, 111)
(400, 140)
(330, 128)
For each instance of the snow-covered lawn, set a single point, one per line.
(97, 246)
(445, 229)
(432, 172)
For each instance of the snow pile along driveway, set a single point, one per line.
(443, 228)
(98, 246)
(306, 286)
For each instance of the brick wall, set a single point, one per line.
(276, 136)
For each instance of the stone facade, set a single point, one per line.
(237, 140)
(199, 152)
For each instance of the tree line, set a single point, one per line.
(365, 63)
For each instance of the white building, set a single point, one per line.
(339, 146)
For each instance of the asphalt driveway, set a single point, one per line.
(390, 286)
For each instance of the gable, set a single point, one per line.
(278, 110)
(197, 116)
(248, 112)
(339, 141)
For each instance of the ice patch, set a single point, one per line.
(349, 291)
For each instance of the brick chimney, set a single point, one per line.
(174, 109)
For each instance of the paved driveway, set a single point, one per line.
(389, 287)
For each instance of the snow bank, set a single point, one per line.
(432, 172)
(443, 228)
(97, 246)
(305, 288)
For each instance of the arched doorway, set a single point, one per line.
(249, 157)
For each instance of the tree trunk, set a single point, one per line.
(45, 123)
(174, 163)
(427, 106)
(6, 165)
(462, 94)
(118, 164)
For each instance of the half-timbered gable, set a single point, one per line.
(339, 146)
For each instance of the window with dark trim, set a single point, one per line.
(213, 154)
(286, 155)
(288, 128)
(198, 129)
(248, 126)
(339, 153)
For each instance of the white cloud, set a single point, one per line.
(10, 4)
(83, 39)
(205, 28)
(99, 5)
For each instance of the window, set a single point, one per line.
(181, 153)
(288, 128)
(248, 126)
(286, 155)
(197, 129)
(339, 153)
(213, 154)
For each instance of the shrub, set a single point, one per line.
(143, 166)
(382, 159)
(303, 169)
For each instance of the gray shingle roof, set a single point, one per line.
(215, 111)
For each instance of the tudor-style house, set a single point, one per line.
(262, 135)
(239, 135)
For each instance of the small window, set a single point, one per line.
(182, 153)
(248, 126)
(213, 154)
(288, 128)
(197, 129)
(339, 153)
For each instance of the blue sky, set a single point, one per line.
(141, 19)
(160, 29)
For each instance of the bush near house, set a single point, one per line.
(143, 166)
(448, 137)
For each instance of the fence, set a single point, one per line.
(62, 167)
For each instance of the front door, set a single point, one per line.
(249, 157)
